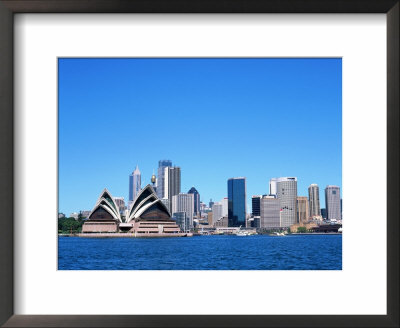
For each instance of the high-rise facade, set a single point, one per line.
(273, 186)
(224, 203)
(270, 210)
(255, 205)
(196, 196)
(332, 202)
(302, 209)
(182, 221)
(162, 164)
(135, 184)
(172, 182)
(217, 211)
(184, 203)
(286, 192)
(237, 202)
(313, 196)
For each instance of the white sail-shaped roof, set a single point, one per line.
(107, 202)
(145, 199)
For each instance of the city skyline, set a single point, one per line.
(274, 102)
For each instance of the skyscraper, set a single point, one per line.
(184, 203)
(224, 203)
(302, 209)
(272, 186)
(217, 211)
(237, 202)
(162, 164)
(196, 196)
(255, 205)
(270, 210)
(135, 184)
(313, 196)
(287, 195)
(172, 181)
(332, 202)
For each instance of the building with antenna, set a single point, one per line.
(135, 184)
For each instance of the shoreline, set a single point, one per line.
(180, 235)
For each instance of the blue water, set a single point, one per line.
(260, 252)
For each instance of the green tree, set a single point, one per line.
(301, 229)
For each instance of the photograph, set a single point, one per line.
(220, 163)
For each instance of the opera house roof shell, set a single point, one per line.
(147, 206)
(105, 209)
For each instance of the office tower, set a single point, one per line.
(237, 202)
(184, 203)
(182, 220)
(224, 203)
(196, 196)
(160, 179)
(255, 205)
(313, 196)
(332, 202)
(202, 207)
(323, 213)
(134, 184)
(210, 218)
(217, 211)
(270, 211)
(210, 204)
(272, 186)
(302, 209)
(286, 189)
(172, 182)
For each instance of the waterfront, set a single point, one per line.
(259, 252)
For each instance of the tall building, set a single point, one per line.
(196, 196)
(182, 220)
(287, 195)
(162, 164)
(302, 209)
(184, 203)
(332, 202)
(323, 213)
(211, 203)
(237, 202)
(224, 203)
(210, 218)
(217, 211)
(313, 196)
(270, 211)
(172, 182)
(273, 186)
(255, 205)
(135, 184)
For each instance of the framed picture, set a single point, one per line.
(87, 97)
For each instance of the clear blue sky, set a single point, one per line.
(215, 118)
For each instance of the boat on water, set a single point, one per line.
(245, 232)
(279, 234)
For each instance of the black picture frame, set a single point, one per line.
(10, 7)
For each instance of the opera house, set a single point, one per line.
(147, 217)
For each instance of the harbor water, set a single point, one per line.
(225, 252)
